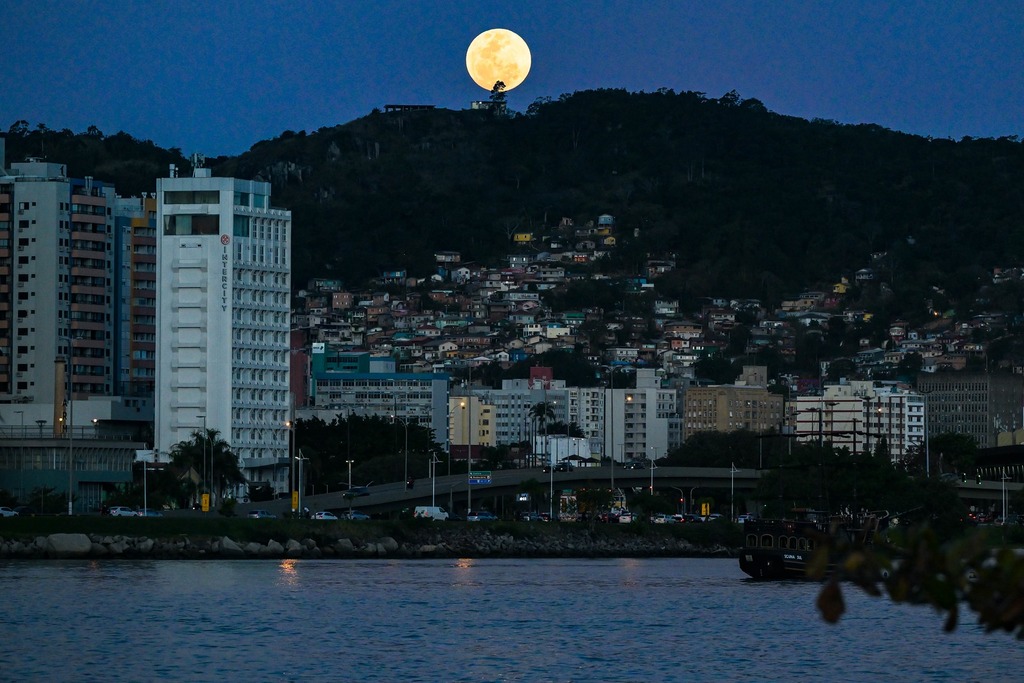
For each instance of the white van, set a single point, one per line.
(431, 512)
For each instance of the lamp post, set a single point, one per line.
(433, 476)
(611, 423)
(68, 421)
(349, 493)
(405, 425)
(145, 488)
(21, 459)
(204, 451)
(732, 491)
(299, 487)
(691, 508)
(654, 456)
(469, 452)
(927, 453)
(1004, 478)
(290, 424)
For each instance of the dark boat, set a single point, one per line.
(782, 548)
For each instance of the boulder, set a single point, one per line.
(389, 544)
(68, 545)
(274, 548)
(293, 548)
(229, 548)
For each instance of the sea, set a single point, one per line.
(465, 620)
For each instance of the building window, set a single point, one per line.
(192, 224)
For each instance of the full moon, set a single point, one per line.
(498, 55)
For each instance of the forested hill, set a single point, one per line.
(752, 203)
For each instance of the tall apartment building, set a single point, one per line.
(56, 263)
(638, 420)
(974, 403)
(224, 277)
(135, 294)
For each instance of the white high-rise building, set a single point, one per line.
(224, 277)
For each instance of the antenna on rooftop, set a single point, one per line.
(197, 159)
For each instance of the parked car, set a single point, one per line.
(480, 516)
(325, 515)
(356, 515)
(7, 512)
(121, 511)
(563, 467)
(529, 517)
(745, 517)
(662, 518)
(260, 514)
(26, 510)
(635, 465)
(625, 517)
(691, 518)
(149, 512)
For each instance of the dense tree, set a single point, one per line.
(206, 464)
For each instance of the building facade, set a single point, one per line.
(56, 263)
(974, 403)
(223, 319)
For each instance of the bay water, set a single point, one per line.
(464, 620)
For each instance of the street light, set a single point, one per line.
(145, 488)
(290, 424)
(205, 439)
(349, 494)
(654, 456)
(469, 453)
(1004, 478)
(21, 459)
(732, 490)
(611, 423)
(405, 425)
(68, 420)
(433, 476)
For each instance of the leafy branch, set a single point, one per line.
(915, 567)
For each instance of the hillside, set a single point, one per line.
(752, 203)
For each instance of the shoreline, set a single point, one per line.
(402, 543)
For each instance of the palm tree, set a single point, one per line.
(542, 413)
(207, 455)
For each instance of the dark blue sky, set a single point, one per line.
(217, 77)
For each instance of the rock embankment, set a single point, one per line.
(463, 543)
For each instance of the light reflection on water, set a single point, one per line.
(463, 620)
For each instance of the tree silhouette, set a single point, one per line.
(206, 454)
